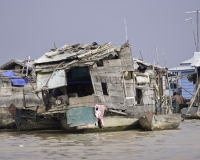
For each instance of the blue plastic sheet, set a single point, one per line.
(19, 81)
(15, 81)
(9, 73)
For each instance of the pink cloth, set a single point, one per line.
(99, 112)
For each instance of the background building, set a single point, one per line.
(186, 87)
(18, 65)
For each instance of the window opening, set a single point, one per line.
(100, 63)
(139, 95)
(104, 88)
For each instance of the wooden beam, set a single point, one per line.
(193, 99)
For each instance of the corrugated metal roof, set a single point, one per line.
(196, 59)
(189, 61)
(181, 68)
(80, 51)
(19, 62)
(138, 61)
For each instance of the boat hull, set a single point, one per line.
(111, 123)
(20, 123)
(194, 113)
(152, 122)
(6, 120)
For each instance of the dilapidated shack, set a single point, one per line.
(75, 78)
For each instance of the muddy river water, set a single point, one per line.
(183, 143)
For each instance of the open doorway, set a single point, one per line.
(79, 82)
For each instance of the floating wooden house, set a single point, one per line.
(91, 86)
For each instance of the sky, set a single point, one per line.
(30, 28)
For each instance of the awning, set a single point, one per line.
(51, 80)
(196, 60)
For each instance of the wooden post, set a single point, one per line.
(91, 76)
(134, 87)
(124, 84)
(193, 99)
(170, 98)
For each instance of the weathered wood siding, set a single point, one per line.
(111, 73)
(16, 95)
(121, 91)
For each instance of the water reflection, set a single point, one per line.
(182, 143)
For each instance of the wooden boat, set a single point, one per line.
(152, 122)
(6, 120)
(193, 113)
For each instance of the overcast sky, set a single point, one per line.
(30, 28)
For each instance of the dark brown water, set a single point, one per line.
(159, 145)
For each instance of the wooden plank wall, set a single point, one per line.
(121, 92)
(111, 73)
(14, 94)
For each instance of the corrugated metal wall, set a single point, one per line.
(189, 86)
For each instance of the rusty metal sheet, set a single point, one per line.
(51, 80)
(12, 110)
(16, 115)
(58, 57)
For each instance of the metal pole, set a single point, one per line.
(197, 13)
(141, 54)
(193, 33)
(164, 58)
(157, 63)
(198, 85)
(198, 30)
(125, 29)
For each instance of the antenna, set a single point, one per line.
(54, 45)
(125, 29)
(197, 12)
(27, 65)
(157, 55)
(141, 54)
(193, 32)
(164, 58)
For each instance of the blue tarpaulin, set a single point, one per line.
(15, 81)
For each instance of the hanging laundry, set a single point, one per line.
(99, 113)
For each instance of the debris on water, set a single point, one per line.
(21, 145)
